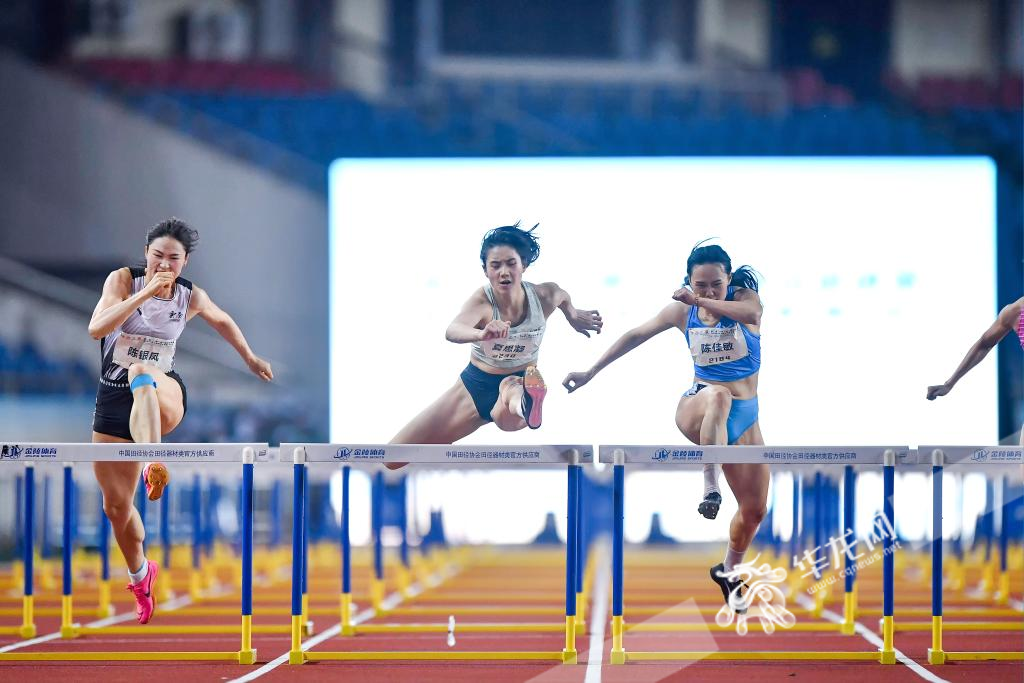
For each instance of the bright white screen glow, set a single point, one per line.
(878, 275)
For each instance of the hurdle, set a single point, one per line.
(70, 453)
(668, 456)
(377, 454)
(975, 456)
(482, 589)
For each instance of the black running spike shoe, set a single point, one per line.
(728, 587)
(709, 506)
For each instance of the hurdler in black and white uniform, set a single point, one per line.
(148, 336)
(137, 320)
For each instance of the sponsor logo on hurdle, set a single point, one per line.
(814, 456)
(166, 453)
(346, 453)
(37, 452)
(16, 452)
(492, 455)
(762, 599)
(678, 455)
(1001, 455)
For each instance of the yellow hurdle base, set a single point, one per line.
(14, 631)
(178, 630)
(437, 656)
(946, 612)
(459, 628)
(962, 626)
(692, 656)
(114, 656)
(753, 625)
(978, 656)
(463, 610)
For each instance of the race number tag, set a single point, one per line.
(514, 347)
(716, 345)
(138, 348)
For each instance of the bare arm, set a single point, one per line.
(1003, 325)
(203, 306)
(471, 324)
(580, 320)
(673, 315)
(117, 302)
(744, 308)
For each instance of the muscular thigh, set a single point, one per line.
(449, 418)
(172, 402)
(118, 480)
(749, 483)
(502, 416)
(690, 414)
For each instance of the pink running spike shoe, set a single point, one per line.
(145, 595)
(534, 391)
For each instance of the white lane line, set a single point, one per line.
(875, 640)
(390, 602)
(598, 616)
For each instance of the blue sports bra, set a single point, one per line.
(724, 353)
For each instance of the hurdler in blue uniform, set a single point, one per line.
(719, 312)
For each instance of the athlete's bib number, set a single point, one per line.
(138, 348)
(716, 345)
(521, 345)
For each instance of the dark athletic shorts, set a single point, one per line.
(114, 402)
(483, 387)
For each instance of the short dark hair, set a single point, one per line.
(745, 276)
(523, 241)
(176, 229)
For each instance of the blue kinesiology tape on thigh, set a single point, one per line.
(143, 381)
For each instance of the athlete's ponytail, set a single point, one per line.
(745, 276)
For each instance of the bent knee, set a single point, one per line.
(507, 422)
(138, 369)
(170, 417)
(509, 382)
(752, 514)
(117, 510)
(719, 397)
